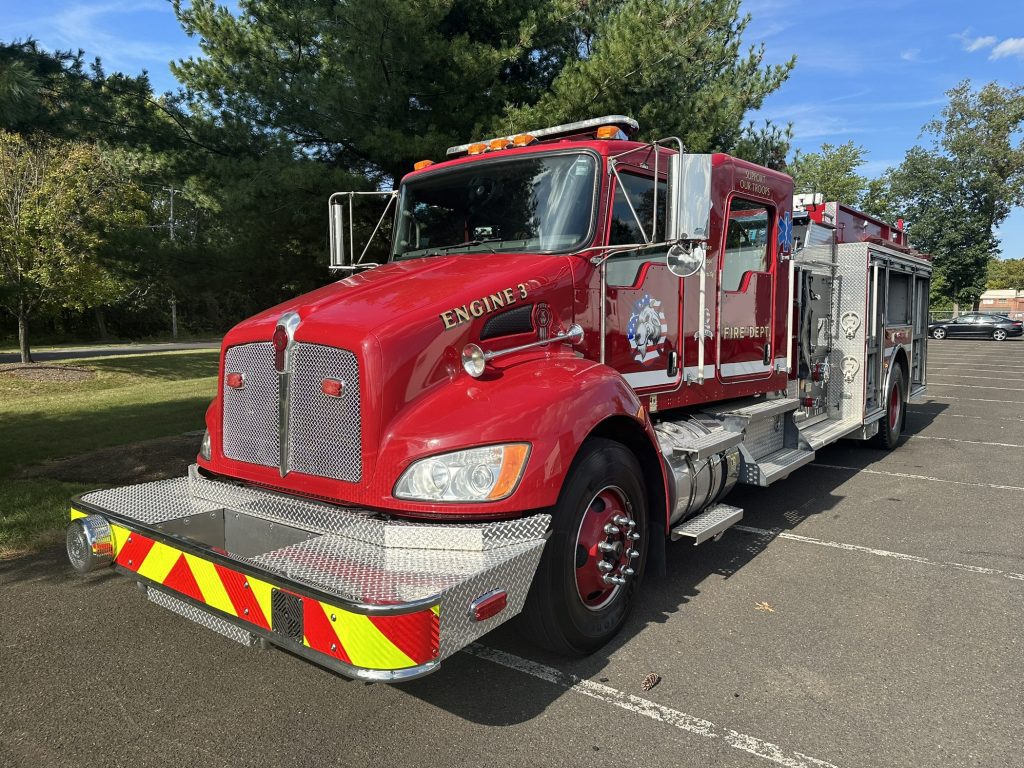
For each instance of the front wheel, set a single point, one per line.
(939, 333)
(591, 568)
(999, 334)
(892, 423)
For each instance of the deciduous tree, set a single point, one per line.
(832, 172)
(60, 203)
(956, 194)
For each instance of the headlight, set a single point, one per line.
(204, 447)
(476, 474)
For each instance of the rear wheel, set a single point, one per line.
(939, 333)
(999, 334)
(891, 425)
(589, 573)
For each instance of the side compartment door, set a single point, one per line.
(746, 293)
(641, 294)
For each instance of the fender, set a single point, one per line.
(554, 402)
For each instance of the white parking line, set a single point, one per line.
(917, 477)
(974, 399)
(649, 709)
(960, 376)
(971, 442)
(782, 534)
(935, 414)
(974, 386)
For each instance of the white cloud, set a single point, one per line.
(1011, 46)
(911, 54)
(971, 44)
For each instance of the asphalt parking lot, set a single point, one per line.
(867, 613)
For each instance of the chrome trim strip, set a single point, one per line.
(290, 322)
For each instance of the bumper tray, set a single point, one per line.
(368, 596)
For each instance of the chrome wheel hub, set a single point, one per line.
(605, 550)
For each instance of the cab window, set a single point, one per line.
(624, 229)
(746, 242)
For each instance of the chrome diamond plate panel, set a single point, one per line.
(201, 617)
(851, 288)
(326, 436)
(765, 436)
(365, 525)
(251, 413)
(152, 503)
(358, 557)
(514, 575)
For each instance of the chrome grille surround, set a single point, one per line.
(326, 432)
(323, 434)
(250, 413)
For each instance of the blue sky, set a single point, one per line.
(872, 71)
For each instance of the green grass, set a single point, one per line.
(133, 397)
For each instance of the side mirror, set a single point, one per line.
(340, 258)
(340, 221)
(689, 198)
(685, 258)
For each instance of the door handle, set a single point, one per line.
(767, 354)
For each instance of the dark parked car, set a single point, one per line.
(978, 326)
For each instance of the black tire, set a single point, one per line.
(939, 333)
(557, 616)
(891, 425)
(999, 334)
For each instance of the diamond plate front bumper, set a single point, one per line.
(351, 589)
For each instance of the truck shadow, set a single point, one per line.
(485, 693)
(510, 697)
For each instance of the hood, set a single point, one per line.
(400, 297)
(409, 320)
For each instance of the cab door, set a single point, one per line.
(641, 294)
(746, 283)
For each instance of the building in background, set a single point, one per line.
(1007, 301)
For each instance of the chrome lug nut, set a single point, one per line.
(610, 529)
(627, 571)
(604, 565)
(610, 579)
(634, 536)
(621, 520)
(604, 546)
(632, 554)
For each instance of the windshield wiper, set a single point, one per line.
(468, 244)
(439, 249)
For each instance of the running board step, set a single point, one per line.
(775, 466)
(708, 445)
(709, 524)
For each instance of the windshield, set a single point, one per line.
(536, 204)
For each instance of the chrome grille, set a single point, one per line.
(326, 438)
(250, 413)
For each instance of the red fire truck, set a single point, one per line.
(578, 345)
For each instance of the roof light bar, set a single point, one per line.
(627, 125)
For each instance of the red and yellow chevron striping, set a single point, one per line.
(369, 642)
